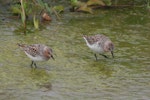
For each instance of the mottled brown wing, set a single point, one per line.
(32, 50)
(92, 39)
(100, 38)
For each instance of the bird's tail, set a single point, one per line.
(84, 36)
(20, 45)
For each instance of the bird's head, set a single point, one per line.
(48, 53)
(109, 47)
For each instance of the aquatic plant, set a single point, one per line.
(148, 6)
(23, 14)
(31, 11)
(88, 6)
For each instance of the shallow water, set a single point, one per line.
(74, 74)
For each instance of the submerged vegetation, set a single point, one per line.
(35, 12)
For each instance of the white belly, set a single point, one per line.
(37, 58)
(96, 48)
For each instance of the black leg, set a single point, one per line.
(35, 65)
(112, 54)
(104, 55)
(95, 56)
(32, 64)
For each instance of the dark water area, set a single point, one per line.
(75, 75)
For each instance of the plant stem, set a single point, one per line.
(23, 16)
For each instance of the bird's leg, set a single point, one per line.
(95, 56)
(112, 54)
(104, 55)
(35, 65)
(32, 63)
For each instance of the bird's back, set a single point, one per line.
(96, 38)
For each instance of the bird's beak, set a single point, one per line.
(112, 54)
(52, 57)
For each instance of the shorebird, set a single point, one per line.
(37, 52)
(99, 44)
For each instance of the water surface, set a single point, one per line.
(75, 75)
